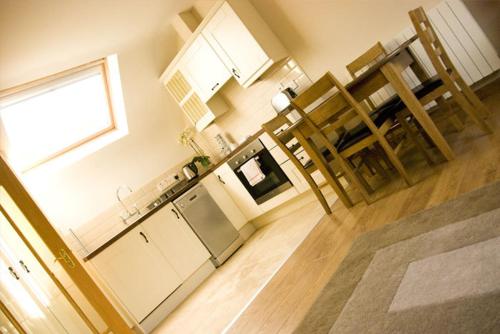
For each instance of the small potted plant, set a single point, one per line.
(187, 139)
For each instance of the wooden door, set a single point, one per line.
(136, 271)
(58, 250)
(234, 44)
(176, 241)
(43, 294)
(203, 69)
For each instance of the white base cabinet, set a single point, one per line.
(233, 186)
(151, 261)
(217, 191)
(176, 241)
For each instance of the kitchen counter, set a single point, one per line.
(145, 215)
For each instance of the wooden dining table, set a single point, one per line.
(388, 70)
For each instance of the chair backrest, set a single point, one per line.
(326, 107)
(371, 55)
(432, 45)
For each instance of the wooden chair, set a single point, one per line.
(336, 108)
(401, 114)
(288, 144)
(370, 56)
(448, 78)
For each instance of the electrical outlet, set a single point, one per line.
(165, 183)
(162, 185)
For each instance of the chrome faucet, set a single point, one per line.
(128, 212)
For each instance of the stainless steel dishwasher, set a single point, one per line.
(209, 223)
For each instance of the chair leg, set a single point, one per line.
(452, 115)
(468, 108)
(409, 131)
(473, 99)
(395, 160)
(325, 170)
(372, 158)
(360, 177)
(382, 154)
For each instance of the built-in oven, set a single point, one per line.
(274, 181)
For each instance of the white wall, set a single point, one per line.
(324, 35)
(39, 38)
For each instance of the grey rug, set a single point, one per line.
(437, 271)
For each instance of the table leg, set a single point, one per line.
(393, 75)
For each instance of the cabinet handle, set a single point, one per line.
(220, 179)
(25, 267)
(215, 86)
(176, 214)
(144, 236)
(13, 273)
(236, 73)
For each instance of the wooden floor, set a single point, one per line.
(282, 304)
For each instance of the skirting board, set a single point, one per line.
(288, 207)
(177, 297)
(247, 230)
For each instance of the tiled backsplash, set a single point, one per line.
(107, 224)
(251, 107)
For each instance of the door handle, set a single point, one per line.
(64, 256)
(25, 267)
(13, 273)
(235, 73)
(220, 179)
(215, 86)
(176, 214)
(144, 236)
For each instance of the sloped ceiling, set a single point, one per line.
(32, 32)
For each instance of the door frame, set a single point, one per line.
(60, 251)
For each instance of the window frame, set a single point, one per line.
(103, 67)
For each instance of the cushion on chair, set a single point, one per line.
(383, 112)
(427, 86)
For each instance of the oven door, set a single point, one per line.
(273, 184)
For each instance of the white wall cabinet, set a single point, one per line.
(237, 192)
(243, 41)
(137, 272)
(176, 241)
(203, 69)
(217, 191)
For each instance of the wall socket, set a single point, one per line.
(165, 183)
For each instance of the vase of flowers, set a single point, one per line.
(186, 138)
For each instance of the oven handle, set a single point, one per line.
(257, 158)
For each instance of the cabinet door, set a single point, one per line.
(298, 181)
(217, 191)
(136, 271)
(234, 43)
(176, 241)
(203, 69)
(237, 191)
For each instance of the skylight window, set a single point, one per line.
(48, 118)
